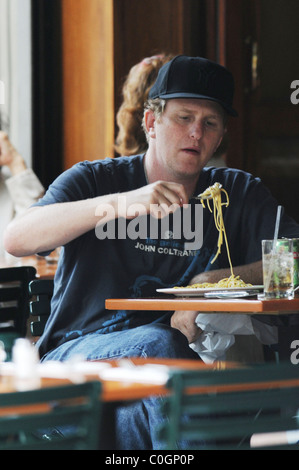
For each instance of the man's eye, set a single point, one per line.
(184, 118)
(211, 123)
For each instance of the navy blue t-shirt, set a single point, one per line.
(131, 261)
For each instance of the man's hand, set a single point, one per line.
(185, 322)
(158, 199)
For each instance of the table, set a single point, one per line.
(271, 312)
(118, 390)
(234, 306)
(115, 392)
(118, 393)
(44, 269)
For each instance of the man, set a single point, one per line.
(88, 210)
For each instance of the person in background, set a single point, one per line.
(131, 139)
(19, 186)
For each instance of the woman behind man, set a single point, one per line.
(131, 139)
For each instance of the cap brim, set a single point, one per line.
(228, 109)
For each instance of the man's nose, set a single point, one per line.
(196, 131)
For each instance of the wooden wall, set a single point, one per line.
(147, 27)
(83, 50)
(88, 95)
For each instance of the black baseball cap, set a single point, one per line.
(195, 77)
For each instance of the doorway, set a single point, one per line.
(262, 50)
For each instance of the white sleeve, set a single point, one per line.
(25, 189)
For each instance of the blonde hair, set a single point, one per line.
(131, 138)
(157, 106)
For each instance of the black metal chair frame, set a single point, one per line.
(40, 291)
(14, 303)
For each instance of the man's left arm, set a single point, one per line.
(250, 273)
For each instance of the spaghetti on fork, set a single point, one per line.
(212, 197)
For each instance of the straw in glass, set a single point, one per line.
(277, 223)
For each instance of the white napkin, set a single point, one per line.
(219, 332)
(148, 373)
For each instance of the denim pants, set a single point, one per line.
(135, 423)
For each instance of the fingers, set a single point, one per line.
(158, 199)
(184, 321)
(3, 142)
(170, 193)
(167, 197)
(7, 150)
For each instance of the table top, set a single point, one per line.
(44, 269)
(121, 390)
(237, 306)
(128, 390)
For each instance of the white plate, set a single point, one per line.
(200, 291)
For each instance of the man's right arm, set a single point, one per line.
(43, 228)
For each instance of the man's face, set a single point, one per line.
(187, 135)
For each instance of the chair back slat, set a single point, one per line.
(66, 417)
(224, 409)
(41, 291)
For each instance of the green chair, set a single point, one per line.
(40, 291)
(75, 408)
(14, 304)
(201, 413)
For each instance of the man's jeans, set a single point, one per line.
(135, 423)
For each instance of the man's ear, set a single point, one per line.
(220, 140)
(149, 119)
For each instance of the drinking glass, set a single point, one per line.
(278, 268)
